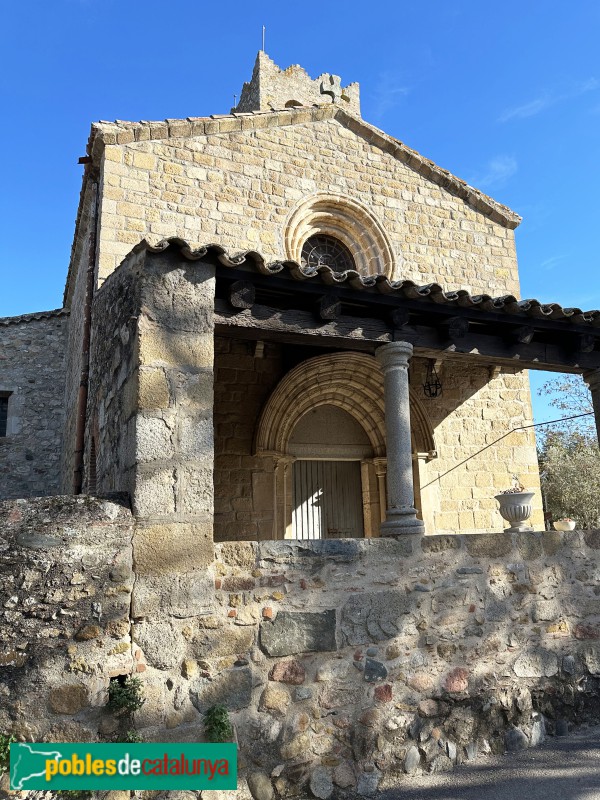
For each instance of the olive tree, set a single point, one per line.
(569, 456)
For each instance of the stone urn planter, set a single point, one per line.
(516, 508)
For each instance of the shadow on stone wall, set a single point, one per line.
(345, 664)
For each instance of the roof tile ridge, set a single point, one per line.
(35, 316)
(434, 292)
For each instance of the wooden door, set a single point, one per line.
(327, 500)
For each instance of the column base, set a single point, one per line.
(402, 522)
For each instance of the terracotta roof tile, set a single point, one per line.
(431, 292)
(38, 315)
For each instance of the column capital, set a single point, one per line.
(394, 354)
(380, 464)
(592, 379)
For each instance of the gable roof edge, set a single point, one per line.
(481, 202)
(123, 133)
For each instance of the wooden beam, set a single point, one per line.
(523, 334)
(455, 328)
(585, 343)
(291, 325)
(374, 302)
(399, 317)
(329, 307)
(242, 294)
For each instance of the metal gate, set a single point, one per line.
(327, 500)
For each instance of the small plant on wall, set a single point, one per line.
(5, 742)
(125, 697)
(217, 726)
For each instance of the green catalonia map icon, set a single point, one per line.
(28, 764)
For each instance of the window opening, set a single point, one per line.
(3, 414)
(326, 251)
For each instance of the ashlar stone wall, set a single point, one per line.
(477, 454)
(77, 299)
(32, 373)
(474, 410)
(238, 186)
(244, 482)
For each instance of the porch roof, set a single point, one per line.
(283, 299)
(506, 304)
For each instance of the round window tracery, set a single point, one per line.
(347, 222)
(326, 251)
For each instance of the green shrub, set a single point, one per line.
(125, 697)
(217, 726)
(5, 742)
(131, 737)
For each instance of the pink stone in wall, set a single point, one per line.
(290, 671)
(457, 680)
(383, 693)
(583, 631)
(428, 708)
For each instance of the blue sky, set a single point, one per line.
(506, 96)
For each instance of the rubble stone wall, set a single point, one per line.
(110, 448)
(32, 372)
(272, 87)
(352, 663)
(347, 664)
(65, 596)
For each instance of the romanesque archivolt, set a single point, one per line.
(341, 217)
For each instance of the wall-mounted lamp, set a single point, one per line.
(432, 386)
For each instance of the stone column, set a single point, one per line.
(401, 513)
(593, 381)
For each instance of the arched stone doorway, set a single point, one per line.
(324, 426)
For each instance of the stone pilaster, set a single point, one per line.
(593, 381)
(401, 516)
(172, 496)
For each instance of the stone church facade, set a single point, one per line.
(293, 162)
(218, 461)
